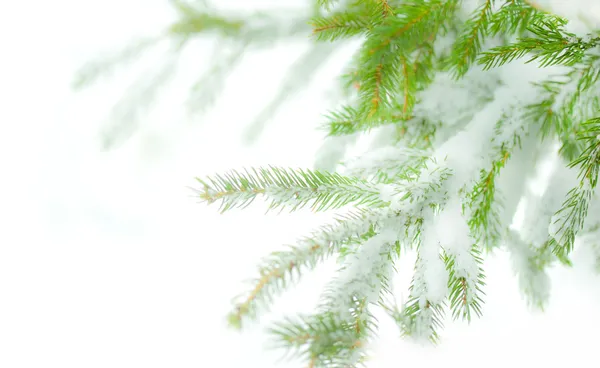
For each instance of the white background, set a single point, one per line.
(107, 261)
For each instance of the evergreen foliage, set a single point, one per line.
(464, 100)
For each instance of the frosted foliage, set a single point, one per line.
(534, 282)
(534, 229)
(433, 176)
(537, 222)
(365, 271)
(390, 160)
(464, 151)
(454, 235)
(423, 325)
(430, 266)
(470, 149)
(566, 182)
(511, 183)
(445, 182)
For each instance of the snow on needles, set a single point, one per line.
(366, 271)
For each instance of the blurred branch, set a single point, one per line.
(240, 31)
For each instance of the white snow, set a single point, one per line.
(430, 265)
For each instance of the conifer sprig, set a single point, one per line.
(530, 265)
(569, 220)
(284, 268)
(340, 25)
(420, 319)
(322, 339)
(552, 46)
(411, 194)
(408, 194)
(465, 295)
(515, 16)
(288, 188)
(386, 64)
(468, 44)
(388, 164)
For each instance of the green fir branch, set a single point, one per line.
(545, 113)
(339, 26)
(322, 339)
(465, 296)
(514, 17)
(388, 164)
(484, 202)
(468, 45)
(419, 321)
(386, 66)
(284, 268)
(347, 120)
(569, 220)
(288, 188)
(391, 85)
(552, 46)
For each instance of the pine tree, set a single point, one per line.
(464, 101)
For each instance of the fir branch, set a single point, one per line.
(416, 321)
(577, 104)
(287, 188)
(515, 16)
(405, 46)
(530, 266)
(417, 20)
(565, 100)
(545, 113)
(421, 316)
(553, 46)
(342, 122)
(322, 339)
(387, 164)
(385, 8)
(92, 71)
(365, 272)
(385, 62)
(483, 199)
(347, 120)
(338, 26)
(284, 268)
(569, 220)
(380, 80)
(126, 114)
(468, 45)
(465, 295)
(194, 21)
(209, 86)
(420, 321)
(298, 77)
